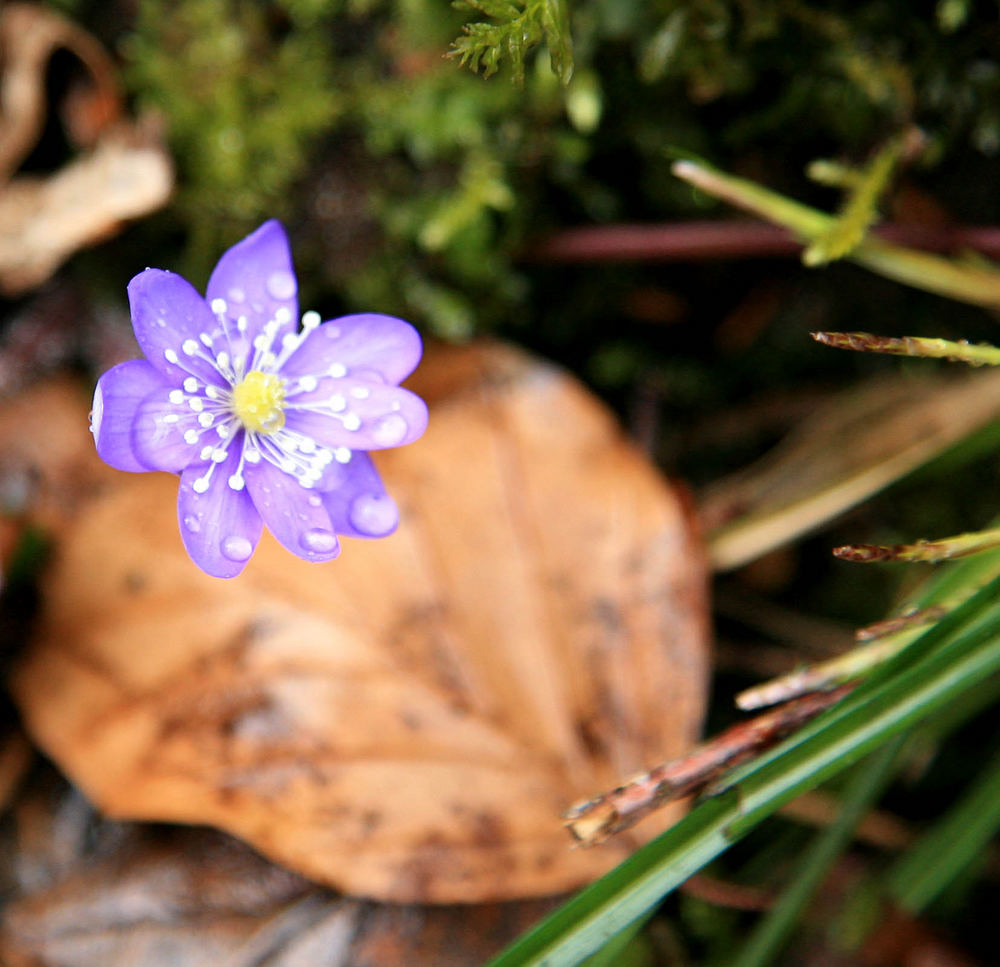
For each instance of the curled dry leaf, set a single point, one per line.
(408, 722)
(126, 174)
(29, 35)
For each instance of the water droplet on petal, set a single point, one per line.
(389, 430)
(318, 541)
(281, 285)
(237, 548)
(192, 523)
(97, 413)
(373, 514)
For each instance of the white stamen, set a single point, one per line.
(191, 384)
(236, 482)
(170, 356)
(308, 383)
(206, 419)
(191, 436)
(190, 347)
(200, 485)
(218, 455)
(219, 306)
(283, 314)
(176, 396)
(337, 402)
(342, 455)
(206, 339)
(337, 370)
(352, 421)
(206, 452)
(310, 319)
(196, 403)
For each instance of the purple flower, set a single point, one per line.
(265, 423)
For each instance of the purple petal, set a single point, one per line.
(355, 414)
(293, 514)
(220, 527)
(117, 397)
(255, 279)
(358, 505)
(169, 318)
(167, 435)
(365, 344)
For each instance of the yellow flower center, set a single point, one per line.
(258, 402)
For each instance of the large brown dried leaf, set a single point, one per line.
(407, 722)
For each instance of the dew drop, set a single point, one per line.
(281, 285)
(390, 430)
(373, 514)
(192, 524)
(319, 541)
(237, 548)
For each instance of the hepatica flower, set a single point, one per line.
(266, 422)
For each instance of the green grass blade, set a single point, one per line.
(774, 929)
(950, 846)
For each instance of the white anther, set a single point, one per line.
(170, 356)
(219, 306)
(218, 455)
(283, 314)
(223, 429)
(191, 384)
(211, 392)
(222, 360)
(337, 402)
(352, 421)
(236, 482)
(242, 323)
(171, 418)
(289, 340)
(200, 485)
(190, 347)
(206, 419)
(176, 396)
(206, 452)
(308, 383)
(337, 370)
(196, 403)
(310, 319)
(252, 456)
(206, 339)
(191, 436)
(342, 455)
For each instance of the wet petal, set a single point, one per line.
(358, 504)
(118, 395)
(168, 434)
(169, 318)
(255, 279)
(355, 414)
(220, 527)
(294, 515)
(364, 344)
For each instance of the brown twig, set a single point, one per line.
(700, 240)
(593, 821)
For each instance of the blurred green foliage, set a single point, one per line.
(352, 112)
